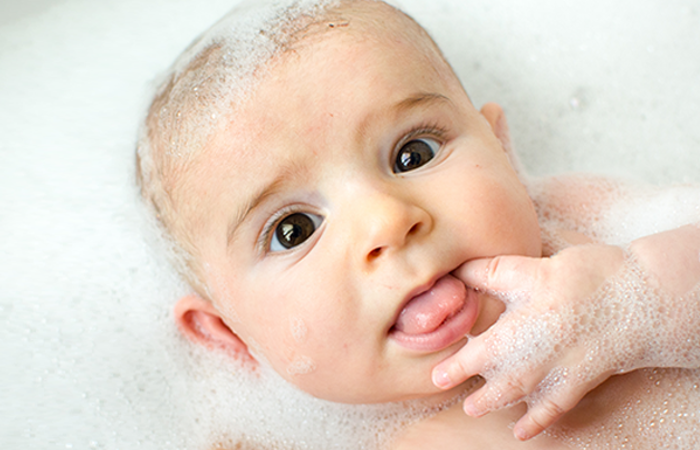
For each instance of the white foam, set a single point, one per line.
(246, 38)
(234, 404)
(301, 365)
(90, 356)
(299, 329)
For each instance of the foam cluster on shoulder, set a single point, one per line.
(612, 210)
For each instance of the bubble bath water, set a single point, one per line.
(91, 357)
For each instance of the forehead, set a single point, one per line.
(335, 86)
(337, 74)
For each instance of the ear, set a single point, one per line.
(494, 115)
(201, 323)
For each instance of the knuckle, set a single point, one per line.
(547, 412)
(492, 270)
(462, 365)
(504, 392)
(547, 270)
(515, 387)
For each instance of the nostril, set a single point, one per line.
(374, 254)
(414, 229)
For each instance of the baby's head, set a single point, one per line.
(323, 172)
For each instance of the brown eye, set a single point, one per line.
(414, 154)
(293, 230)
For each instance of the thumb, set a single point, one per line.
(500, 274)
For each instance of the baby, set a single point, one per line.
(332, 192)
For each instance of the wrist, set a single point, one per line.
(671, 259)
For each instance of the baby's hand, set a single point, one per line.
(576, 318)
(545, 349)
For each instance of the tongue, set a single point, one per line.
(427, 311)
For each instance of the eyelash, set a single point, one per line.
(431, 129)
(266, 236)
(427, 129)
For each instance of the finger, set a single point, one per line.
(537, 419)
(502, 273)
(467, 362)
(547, 410)
(502, 392)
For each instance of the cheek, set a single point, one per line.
(318, 349)
(492, 211)
(295, 329)
(314, 363)
(516, 218)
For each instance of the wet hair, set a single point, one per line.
(215, 73)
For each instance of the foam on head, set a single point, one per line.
(208, 79)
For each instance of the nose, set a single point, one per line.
(388, 221)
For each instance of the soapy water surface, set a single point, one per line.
(91, 358)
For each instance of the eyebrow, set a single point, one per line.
(277, 185)
(419, 100)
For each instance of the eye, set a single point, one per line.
(415, 153)
(293, 230)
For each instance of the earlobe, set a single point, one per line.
(494, 115)
(201, 323)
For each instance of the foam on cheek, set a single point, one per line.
(301, 365)
(299, 330)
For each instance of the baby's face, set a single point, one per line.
(333, 204)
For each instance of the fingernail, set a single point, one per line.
(441, 379)
(471, 409)
(521, 434)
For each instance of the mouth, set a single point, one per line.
(436, 316)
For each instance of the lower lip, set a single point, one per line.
(450, 331)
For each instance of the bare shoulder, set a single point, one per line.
(577, 198)
(453, 430)
(643, 410)
(581, 198)
(612, 210)
(570, 208)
